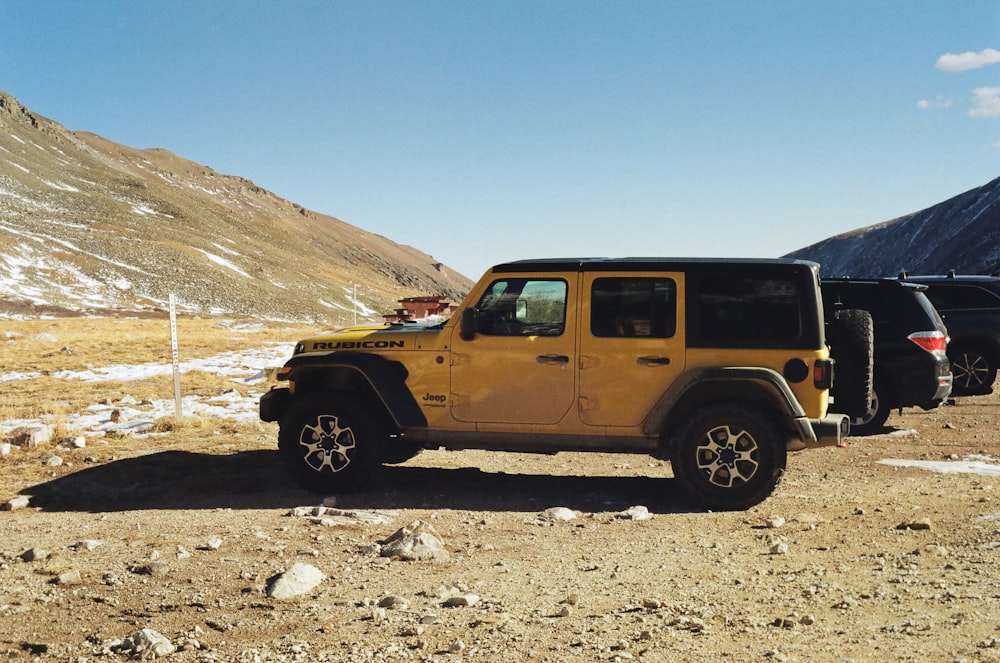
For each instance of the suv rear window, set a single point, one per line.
(745, 311)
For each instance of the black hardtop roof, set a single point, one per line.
(880, 282)
(641, 264)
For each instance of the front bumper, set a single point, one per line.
(274, 403)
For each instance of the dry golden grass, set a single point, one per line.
(82, 343)
(93, 342)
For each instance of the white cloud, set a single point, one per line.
(985, 102)
(936, 102)
(952, 62)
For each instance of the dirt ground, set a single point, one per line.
(852, 559)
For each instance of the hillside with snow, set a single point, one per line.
(960, 234)
(91, 226)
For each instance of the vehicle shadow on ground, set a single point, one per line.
(257, 480)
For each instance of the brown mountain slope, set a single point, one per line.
(88, 225)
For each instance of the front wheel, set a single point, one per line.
(329, 443)
(728, 456)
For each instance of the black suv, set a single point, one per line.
(970, 306)
(910, 365)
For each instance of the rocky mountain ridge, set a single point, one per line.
(89, 226)
(961, 234)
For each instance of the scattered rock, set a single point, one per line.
(69, 577)
(33, 554)
(298, 580)
(919, 524)
(19, 502)
(73, 442)
(635, 513)
(559, 514)
(30, 436)
(153, 568)
(461, 601)
(418, 541)
(394, 603)
(331, 517)
(213, 543)
(145, 644)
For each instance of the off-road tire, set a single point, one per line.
(851, 336)
(329, 443)
(873, 421)
(728, 456)
(973, 371)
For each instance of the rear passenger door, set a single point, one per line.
(631, 344)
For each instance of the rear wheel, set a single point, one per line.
(973, 371)
(728, 456)
(329, 443)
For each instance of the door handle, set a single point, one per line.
(653, 361)
(552, 359)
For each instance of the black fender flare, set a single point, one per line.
(386, 378)
(764, 382)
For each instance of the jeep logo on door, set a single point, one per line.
(434, 400)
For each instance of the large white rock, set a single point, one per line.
(298, 580)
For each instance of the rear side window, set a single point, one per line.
(952, 297)
(633, 307)
(748, 311)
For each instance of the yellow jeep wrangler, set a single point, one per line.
(718, 365)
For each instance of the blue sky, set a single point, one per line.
(488, 131)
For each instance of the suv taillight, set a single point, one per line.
(934, 342)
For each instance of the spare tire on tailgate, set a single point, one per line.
(851, 337)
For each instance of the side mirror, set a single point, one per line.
(470, 324)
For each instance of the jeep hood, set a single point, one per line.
(367, 337)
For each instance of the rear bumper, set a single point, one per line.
(826, 432)
(919, 380)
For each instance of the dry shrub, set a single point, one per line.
(174, 424)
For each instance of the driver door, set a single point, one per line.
(519, 368)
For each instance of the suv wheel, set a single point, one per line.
(851, 337)
(329, 443)
(972, 369)
(728, 456)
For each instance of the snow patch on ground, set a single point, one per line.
(246, 367)
(983, 465)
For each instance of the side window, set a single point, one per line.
(523, 307)
(633, 307)
(952, 297)
(748, 311)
